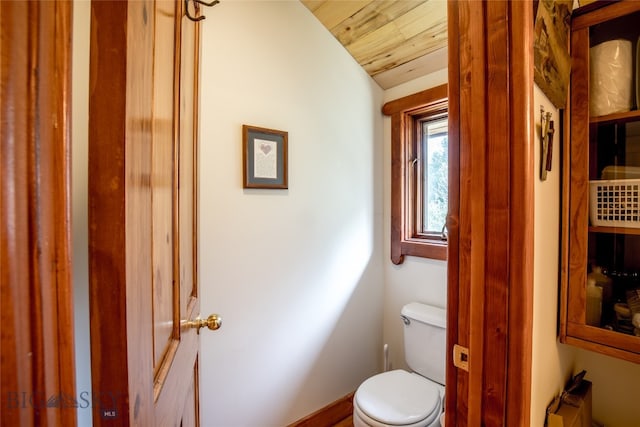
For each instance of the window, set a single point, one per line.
(419, 174)
(434, 174)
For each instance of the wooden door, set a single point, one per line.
(143, 213)
(37, 310)
(490, 260)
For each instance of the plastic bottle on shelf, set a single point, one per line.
(594, 303)
(606, 283)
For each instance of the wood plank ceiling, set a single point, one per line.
(393, 40)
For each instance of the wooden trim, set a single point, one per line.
(522, 208)
(196, 167)
(175, 202)
(329, 415)
(614, 339)
(565, 159)
(501, 224)
(604, 12)
(405, 112)
(473, 189)
(578, 180)
(625, 116)
(603, 349)
(35, 245)
(434, 249)
(107, 285)
(433, 95)
(491, 242)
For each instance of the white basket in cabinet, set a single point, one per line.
(615, 203)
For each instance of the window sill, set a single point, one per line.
(432, 249)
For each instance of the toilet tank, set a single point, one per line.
(425, 340)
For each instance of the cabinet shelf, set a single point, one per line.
(627, 116)
(615, 230)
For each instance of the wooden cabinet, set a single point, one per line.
(602, 156)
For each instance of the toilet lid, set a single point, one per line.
(398, 397)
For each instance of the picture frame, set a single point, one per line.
(552, 63)
(264, 158)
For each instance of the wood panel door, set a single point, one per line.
(143, 194)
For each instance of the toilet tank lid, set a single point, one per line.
(426, 314)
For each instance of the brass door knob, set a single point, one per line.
(212, 322)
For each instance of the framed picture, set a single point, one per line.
(552, 63)
(264, 157)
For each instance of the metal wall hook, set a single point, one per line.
(197, 2)
(213, 3)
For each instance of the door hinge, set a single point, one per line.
(461, 357)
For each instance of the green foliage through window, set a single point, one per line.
(435, 175)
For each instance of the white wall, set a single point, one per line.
(416, 279)
(552, 362)
(79, 195)
(296, 274)
(615, 382)
(615, 388)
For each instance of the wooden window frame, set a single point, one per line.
(407, 114)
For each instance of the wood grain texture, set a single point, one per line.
(565, 150)
(608, 350)
(415, 33)
(176, 385)
(120, 129)
(579, 167)
(332, 13)
(421, 66)
(186, 165)
(37, 305)
(605, 338)
(498, 219)
(623, 117)
(162, 180)
(143, 249)
(397, 189)
(374, 15)
(434, 95)
(106, 197)
(384, 35)
(491, 276)
(603, 11)
(521, 234)
(405, 114)
(472, 240)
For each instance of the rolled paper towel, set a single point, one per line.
(611, 65)
(636, 320)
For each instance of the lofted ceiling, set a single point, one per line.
(393, 40)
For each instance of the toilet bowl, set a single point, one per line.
(401, 398)
(398, 398)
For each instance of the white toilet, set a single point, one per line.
(409, 399)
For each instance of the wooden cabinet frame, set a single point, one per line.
(575, 198)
